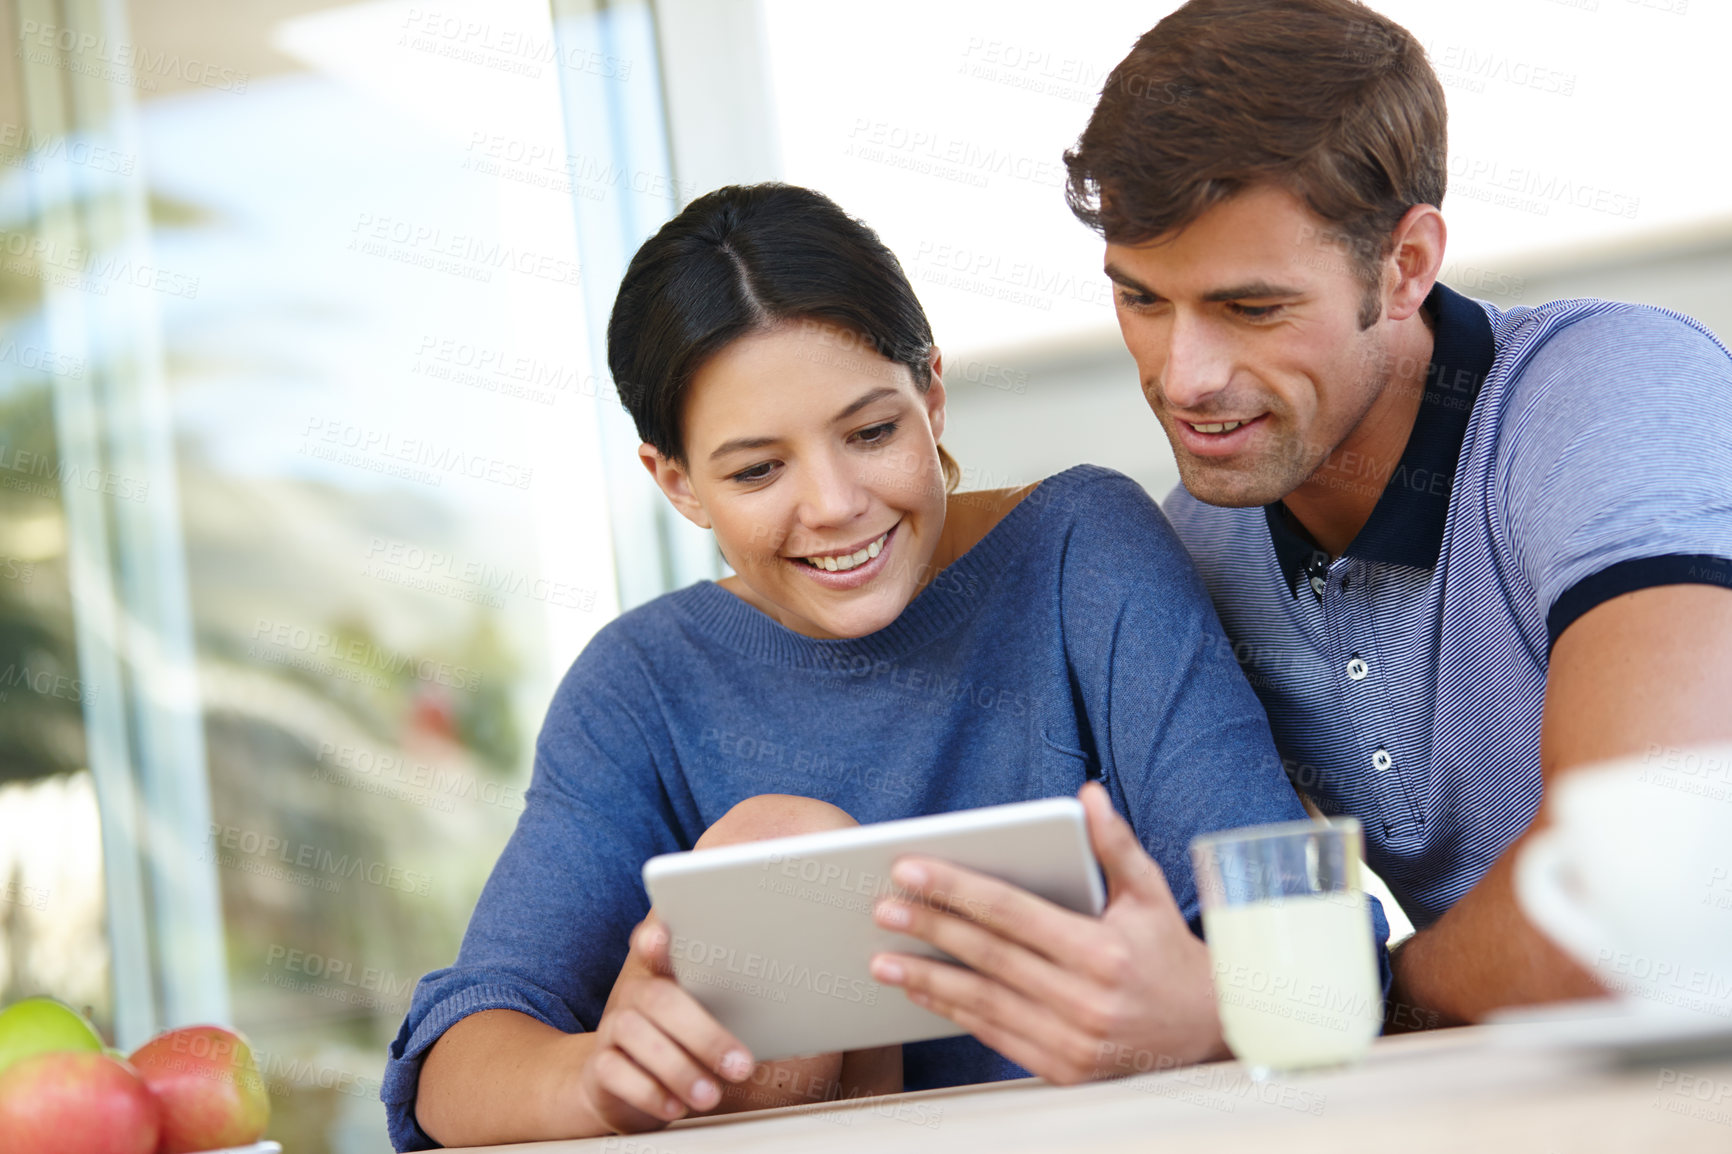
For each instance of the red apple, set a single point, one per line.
(209, 1088)
(76, 1102)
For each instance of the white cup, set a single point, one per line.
(1633, 878)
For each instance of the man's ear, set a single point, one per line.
(1417, 257)
(676, 486)
(935, 395)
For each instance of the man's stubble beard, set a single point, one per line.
(1290, 459)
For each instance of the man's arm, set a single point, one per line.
(1651, 667)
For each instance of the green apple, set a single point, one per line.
(42, 1026)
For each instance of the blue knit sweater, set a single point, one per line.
(1074, 641)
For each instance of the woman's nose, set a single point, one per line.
(833, 494)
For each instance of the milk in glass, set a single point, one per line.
(1295, 979)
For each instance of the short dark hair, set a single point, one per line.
(740, 260)
(1326, 98)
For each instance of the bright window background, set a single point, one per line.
(942, 125)
(383, 418)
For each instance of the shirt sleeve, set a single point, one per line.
(1615, 461)
(550, 930)
(1183, 742)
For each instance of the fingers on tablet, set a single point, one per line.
(666, 1061)
(1127, 866)
(650, 941)
(680, 1016)
(628, 1083)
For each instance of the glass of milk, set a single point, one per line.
(1289, 935)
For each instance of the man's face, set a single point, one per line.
(1245, 329)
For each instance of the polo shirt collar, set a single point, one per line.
(1406, 524)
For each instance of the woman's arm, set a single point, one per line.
(500, 1076)
(550, 934)
(493, 1078)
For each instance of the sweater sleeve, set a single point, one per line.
(550, 930)
(1183, 743)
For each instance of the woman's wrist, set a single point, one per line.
(558, 1103)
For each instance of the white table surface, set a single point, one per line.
(1480, 1089)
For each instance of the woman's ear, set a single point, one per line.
(676, 486)
(935, 394)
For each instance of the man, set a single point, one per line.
(1460, 552)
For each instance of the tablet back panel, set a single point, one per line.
(773, 937)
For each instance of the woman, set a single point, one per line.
(883, 649)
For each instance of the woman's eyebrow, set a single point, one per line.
(859, 403)
(862, 401)
(739, 443)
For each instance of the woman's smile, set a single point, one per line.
(849, 568)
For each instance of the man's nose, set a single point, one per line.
(1198, 364)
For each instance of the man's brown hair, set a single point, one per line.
(1325, 98)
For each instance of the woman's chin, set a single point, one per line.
(852, 626)
(846, 622)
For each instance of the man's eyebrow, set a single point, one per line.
(1251, 289)
(1120, 276)
(739, 443)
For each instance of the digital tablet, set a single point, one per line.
(773, 937)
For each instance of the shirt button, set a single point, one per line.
(1382, 760)
(1318, 584)
(1357, 669)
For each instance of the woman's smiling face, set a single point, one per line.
(815, 462)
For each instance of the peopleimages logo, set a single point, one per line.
(413, 458)
(120, 61)
(254, 849)
(748, 969)
(359, 653)
(45, 683)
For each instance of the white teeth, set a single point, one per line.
(848, 561)
(1225, 427)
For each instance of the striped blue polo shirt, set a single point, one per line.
(1563, 455)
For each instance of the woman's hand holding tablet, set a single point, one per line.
(658, 1054)
(1068, 997)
